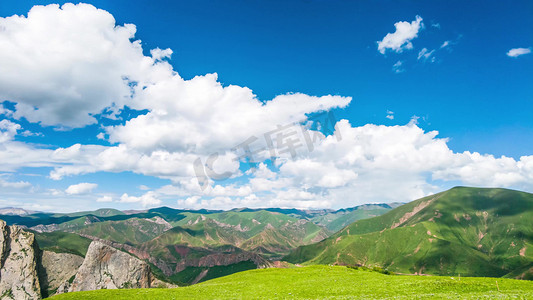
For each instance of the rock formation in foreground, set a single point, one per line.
(18, 264)
(58, 269)
(105, 267)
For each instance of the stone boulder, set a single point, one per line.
(105, 267)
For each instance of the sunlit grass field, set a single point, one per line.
(319, 282)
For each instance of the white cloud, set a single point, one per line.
(14, 154)
(29, 133)
(159, 54)
(191, 202)
(5, 111)
(105, 198)
(4, 184)
(402, 37)
(8, 130)
(445, 44)
(390, 115)
(397, 67)
(187, 119)
(370, 163)
(392, 163)
(515, 52)
(102, 68)
(202, 116)
(143, 187)
(426, 55)
(81, 188)
(61, 65)
(147, 200)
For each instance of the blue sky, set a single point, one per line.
(470, 91)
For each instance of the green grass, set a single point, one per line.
(467, 231)
(188, 275)
(319, 282)
(131, 231)
(62, 242)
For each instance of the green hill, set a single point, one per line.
(130, 231)
(320, 282)
(265, 232)
(62, 242)
(202, 245)
(467, 231)
(336, 220)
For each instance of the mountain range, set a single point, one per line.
(189, 246)
(460, 232)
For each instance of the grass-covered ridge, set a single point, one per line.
(318, 282)
(62, 242)
(467, 231)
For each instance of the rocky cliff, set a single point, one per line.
(105, 267)
(18, 264)
(57, 269)
(26, 271)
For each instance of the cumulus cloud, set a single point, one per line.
(104, 198)
(371, 163)
(383, 163)
(81, 188)
(191, 202)
(159, 54)
(103, 68)
(390, 115)
(202, 116)
(402, 37)
(147, 200)
(515, 52)
(83, 63)
(8, 130)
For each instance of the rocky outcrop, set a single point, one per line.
(57, 270)
(18, 264)
(105, 267)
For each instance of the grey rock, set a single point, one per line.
(18, 264)
(58, 269)
(105, 267)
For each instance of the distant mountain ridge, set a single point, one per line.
(15, 211)
(19, 216)
(189, 246)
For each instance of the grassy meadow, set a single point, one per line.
(319, 282)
